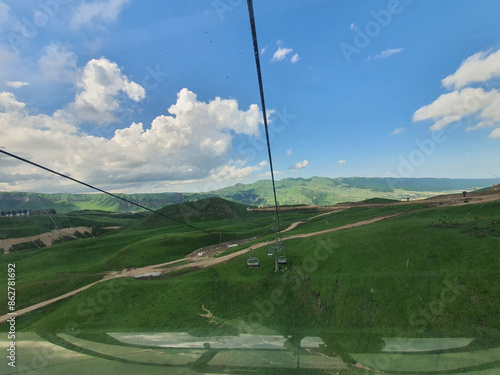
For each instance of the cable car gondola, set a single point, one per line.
(253, 262)
(282, 260)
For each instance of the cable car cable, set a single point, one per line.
(104, 191)
(261, 88)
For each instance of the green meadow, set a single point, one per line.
(426, 273)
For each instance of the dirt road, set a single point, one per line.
(187, 262)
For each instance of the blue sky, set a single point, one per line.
(158, 96)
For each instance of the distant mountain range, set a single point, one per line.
(290, 191)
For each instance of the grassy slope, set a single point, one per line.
(30, 226)
(49, 272)
(328, 191)
(314, 190)
(386, 279)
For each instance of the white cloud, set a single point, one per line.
(454, 106)
(99, 88)
(387, 53)
(289, 152)
(17, 84)
(353, 26)
(398, 131)
(299, 165)
(295, 58)
(479, 67)
(232, 173)
(189, 144)
(268, 174)
(94, 11)
(263, 50)
(8, 103)
(495, 133)
(341, 162)
(57, 64)
(281, 54)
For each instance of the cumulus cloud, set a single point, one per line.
(480, 67)
(8, 103)
(495, 133)
(100, 87)
(299, 165)
(190, 143)
(341, 162)
(281, 53)
(17, 84)
(397, 131)
(57, 64)
(387, 53)
(233, 173)
(456, 105)
(295, 58)
(90, 12)
(481, 108)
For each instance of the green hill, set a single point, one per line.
(290, 191)
(329, 191)
(208, 209)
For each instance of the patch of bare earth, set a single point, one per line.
(47, 238)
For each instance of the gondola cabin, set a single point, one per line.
(281, 260)
(253, 262)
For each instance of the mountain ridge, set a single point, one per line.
(290, 191)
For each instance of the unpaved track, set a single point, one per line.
(193, 262)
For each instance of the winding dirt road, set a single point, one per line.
(191, 261)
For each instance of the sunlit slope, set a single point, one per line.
(426, 273)
(291, 191)
(204, 210)
(49, 272)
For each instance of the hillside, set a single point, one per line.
(418, 279)
(208, 209)
(314, 190)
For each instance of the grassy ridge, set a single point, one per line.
(314, 190)
(428, 273)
